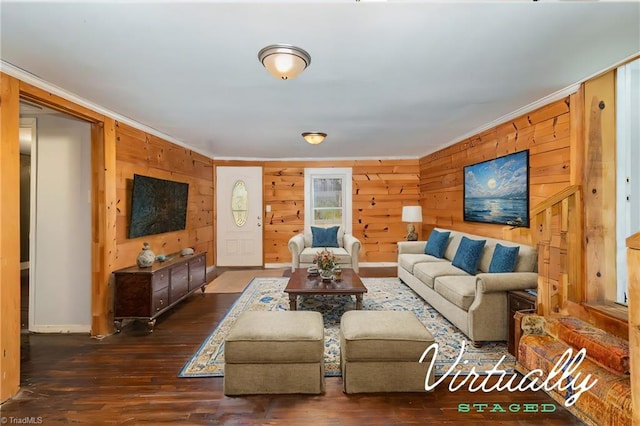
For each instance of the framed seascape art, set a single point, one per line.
(497, 191)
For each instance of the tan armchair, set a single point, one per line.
(302, 252)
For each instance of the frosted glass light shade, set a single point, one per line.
(284, 61)
(314, 138)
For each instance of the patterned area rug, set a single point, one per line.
(266, 294)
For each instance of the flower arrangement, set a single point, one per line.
(325, 260)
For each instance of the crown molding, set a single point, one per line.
(317, 159)
(36, 81)
(537, 104)
(517, 113)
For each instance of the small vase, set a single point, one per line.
(146, 257)
(337, 274)
(326, 274)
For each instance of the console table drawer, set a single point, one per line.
(160, 299)
(179, 282)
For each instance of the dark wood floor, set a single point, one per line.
(131, 378)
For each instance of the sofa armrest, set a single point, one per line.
(352, 246)
(414, 247)
(496, 282)
(296, 245)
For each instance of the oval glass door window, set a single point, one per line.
(239, 203)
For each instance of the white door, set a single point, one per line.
(239, 215)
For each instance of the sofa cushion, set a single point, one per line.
(437, 243)
(258, 337)
(382, 336)
(427, 272)
(409, 260)
(468, 255)
(504, 258)
(461, 291)
(341, 254)
(324, 237)
(454, 243)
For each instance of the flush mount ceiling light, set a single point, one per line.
(314, 138)
(284, 61)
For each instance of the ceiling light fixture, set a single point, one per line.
(284, 61)
(314, 138)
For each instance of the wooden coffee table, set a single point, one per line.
(302, 283)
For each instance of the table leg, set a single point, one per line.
(358, 302)
(292, 302)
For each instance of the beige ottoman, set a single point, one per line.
(272, 352)
(380, 350)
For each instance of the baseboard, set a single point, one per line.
(377, 264)
(61, 328)
(277, 265)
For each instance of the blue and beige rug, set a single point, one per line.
(267, 294)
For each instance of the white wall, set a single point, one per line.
(628, 172)
(60, 293)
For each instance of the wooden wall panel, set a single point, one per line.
(600, 188)
(546, 132)
(380, 189)
(9, 238)
(140, 153)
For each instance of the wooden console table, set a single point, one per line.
(146, 293)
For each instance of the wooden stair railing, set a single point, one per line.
(556, 229)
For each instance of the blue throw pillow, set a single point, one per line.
(504, 259)
(324, 237)
(437, 244)
(468, 255)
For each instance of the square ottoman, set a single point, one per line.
(274, 352)
(380, 352)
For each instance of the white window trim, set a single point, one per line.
(345, 173)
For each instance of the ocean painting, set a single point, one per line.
(497, 191)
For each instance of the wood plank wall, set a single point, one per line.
(600, 189)
(9, 238)
(380, 189)
(545, 132)
(141, 153)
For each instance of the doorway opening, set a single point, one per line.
(55, 221)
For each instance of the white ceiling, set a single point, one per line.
(386, 80)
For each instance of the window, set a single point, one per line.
(628, 172)
(327, 198)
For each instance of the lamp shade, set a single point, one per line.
(284, 61)
(412, 214)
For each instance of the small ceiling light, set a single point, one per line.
(284, 61)
(314, 138)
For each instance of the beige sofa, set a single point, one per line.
(302, 253)
(476, 304)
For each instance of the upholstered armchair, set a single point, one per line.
(305, 246)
